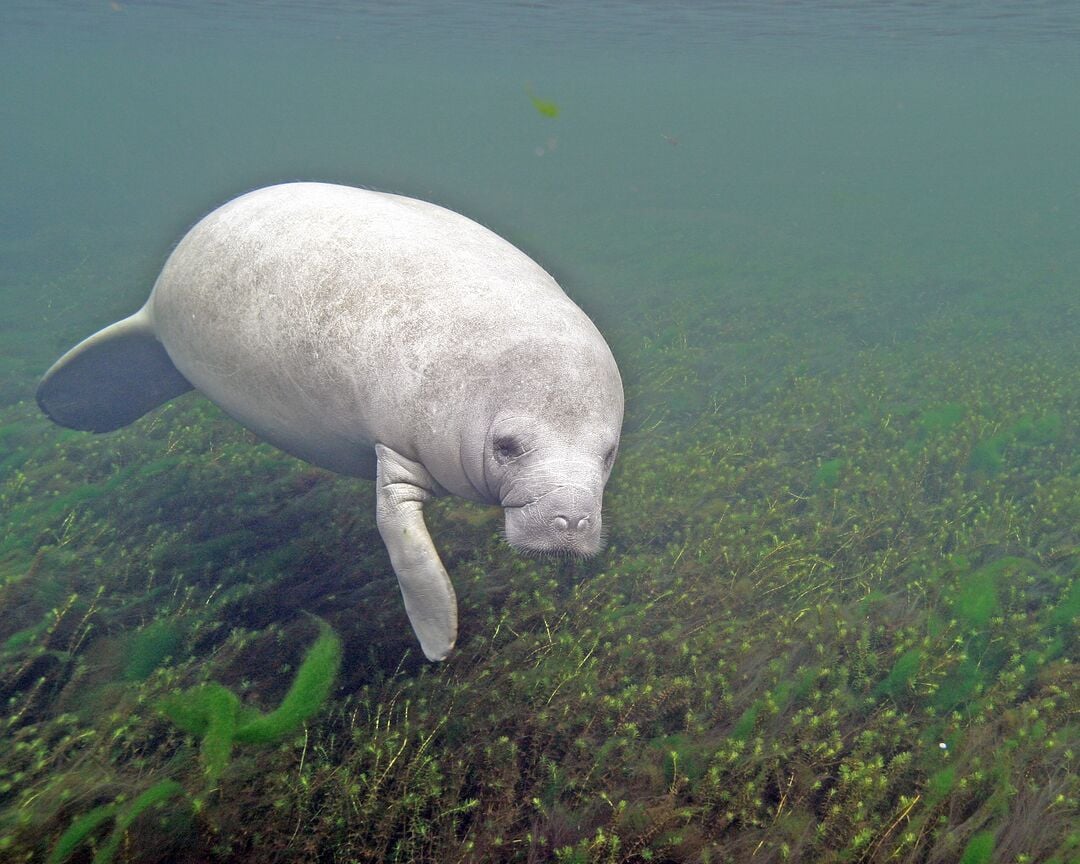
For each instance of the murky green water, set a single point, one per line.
(835, 248)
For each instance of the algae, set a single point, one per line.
(150, 647)
(979, 849)
(214, 713)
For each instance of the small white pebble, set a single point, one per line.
(943, 745)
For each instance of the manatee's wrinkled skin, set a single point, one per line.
(382, 337)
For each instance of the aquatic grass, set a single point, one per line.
(976, 600)
(1045, 430)
(941, 418)
(979, 849)
(80, 830)
(209, 712)
(589, 709)
(973, 675)
(897, 684)
(124, 815)
(828, 473)
(214, 714)
(150, 647)
(26, 636)
(988, 455)
(744, 726)
(940, 783)
(310, 689)
(1068, 608)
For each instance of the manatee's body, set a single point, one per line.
(383, 337)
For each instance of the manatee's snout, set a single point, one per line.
(562, 522)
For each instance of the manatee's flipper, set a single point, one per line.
(401, 488)
(111, 379)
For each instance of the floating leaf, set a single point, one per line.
(544, 106)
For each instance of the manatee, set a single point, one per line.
(383, 337)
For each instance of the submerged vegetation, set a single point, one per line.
(213, 713)
(836, 621)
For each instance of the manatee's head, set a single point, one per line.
(550, 447)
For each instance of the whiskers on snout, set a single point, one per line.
(542, 541)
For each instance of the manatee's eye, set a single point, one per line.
(506, 448)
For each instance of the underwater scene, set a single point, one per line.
(834, 248)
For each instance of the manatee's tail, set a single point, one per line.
(111, 379)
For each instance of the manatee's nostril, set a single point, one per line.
(570, 523)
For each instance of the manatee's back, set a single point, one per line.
(326, 318)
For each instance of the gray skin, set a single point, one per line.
(382, 337)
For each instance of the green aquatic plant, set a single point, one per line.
(214, 713)
(1068, 608)
(744, 726)
(543, 106)
(209, 712)
(973, 675)
(776, 701)
(941, 418)
(683, 757)
(974, 605)
(1046, 430)
(897, 683)
(979, 849)
(27, 635)
(156, 794)
(606, 691)
(988, 456)
(940, 783)
(828, 473)
(80, 829)
(310, 689)
(86, 824)
(149, 648)
(977, 599)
